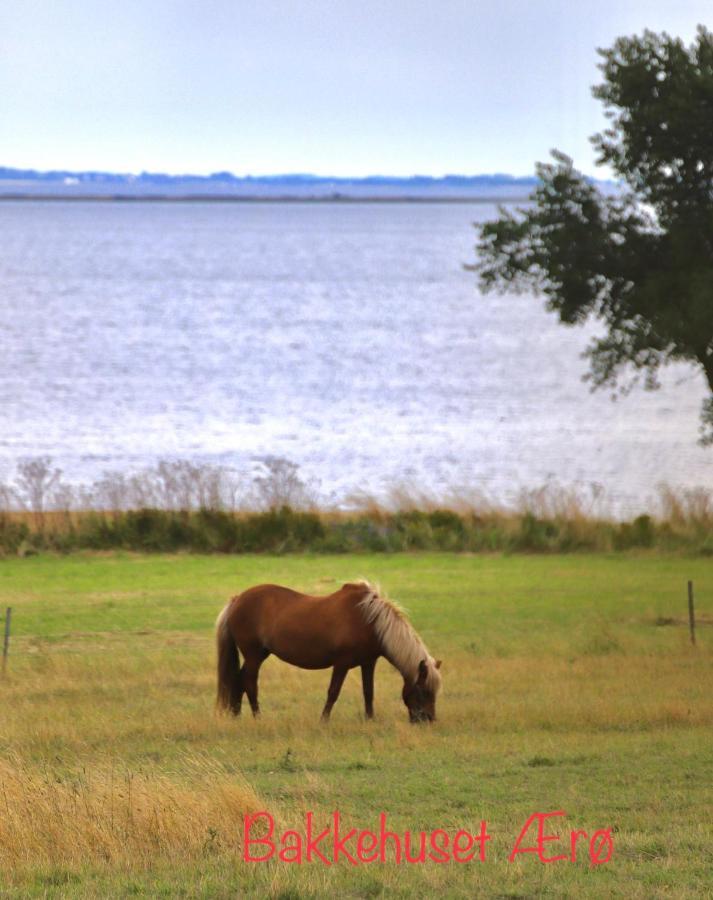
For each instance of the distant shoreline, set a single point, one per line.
(221, 198)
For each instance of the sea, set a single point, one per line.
(348, 338)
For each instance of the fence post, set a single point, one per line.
(6, 641)
(691, 614)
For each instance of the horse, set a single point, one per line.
(352, 627)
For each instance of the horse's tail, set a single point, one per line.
(230, 679)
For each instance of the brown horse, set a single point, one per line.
(352, 627)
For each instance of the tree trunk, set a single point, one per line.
(706, 360)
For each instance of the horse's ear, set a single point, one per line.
(422, 672)
(438, 663)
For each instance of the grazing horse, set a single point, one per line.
(354, 626)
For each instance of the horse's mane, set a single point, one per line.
(397, 635)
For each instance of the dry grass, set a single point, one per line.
(689, 508)
(116, 817)
(678, 506)
(70, 792)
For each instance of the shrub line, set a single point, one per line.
(287, 530)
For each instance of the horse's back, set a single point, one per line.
(264, 597)
(267, 593)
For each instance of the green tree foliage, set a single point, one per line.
(641, 261)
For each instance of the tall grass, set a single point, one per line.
(178, 505)
(116, 816)
(380, 530)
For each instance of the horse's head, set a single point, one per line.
(420, 696)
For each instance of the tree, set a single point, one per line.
(641, 260)
(34, 482)
(279, 484)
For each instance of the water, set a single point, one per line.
(347, 338)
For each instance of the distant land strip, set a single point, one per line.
(262, 198)
(224, 187)
(63, 176)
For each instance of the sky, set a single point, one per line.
(332, 87)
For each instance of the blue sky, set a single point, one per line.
(342, 87)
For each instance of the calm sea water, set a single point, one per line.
(347, 338)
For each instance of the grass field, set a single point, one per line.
(569, 684)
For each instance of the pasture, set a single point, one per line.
(569, 685)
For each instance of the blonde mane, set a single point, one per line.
(402, 645)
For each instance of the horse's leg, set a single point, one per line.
(367, 683)
(339, 673)
(250, 673)
(237, 697)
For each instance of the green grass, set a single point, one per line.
(561, 692)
